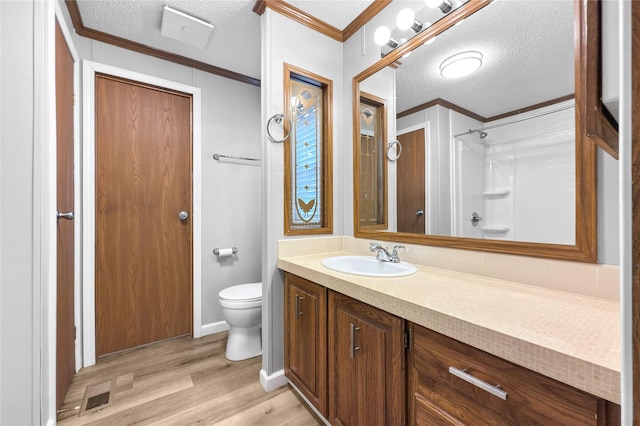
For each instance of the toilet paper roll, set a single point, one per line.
(224, 252)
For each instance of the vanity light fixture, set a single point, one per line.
(407, 19)
(461, 64)
(382, 37)
(444, 5)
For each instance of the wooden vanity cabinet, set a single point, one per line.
(438, 395)
(366, 364)
(305, 339)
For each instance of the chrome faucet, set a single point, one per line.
(383, 253)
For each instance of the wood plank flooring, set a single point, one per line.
(184, 381)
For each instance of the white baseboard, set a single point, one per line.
(274, 381)
(214, 327)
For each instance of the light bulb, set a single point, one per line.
(443, 5)
(382, 36)
(405, 19)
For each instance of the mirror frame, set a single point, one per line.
(585, 247)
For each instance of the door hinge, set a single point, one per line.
(75, 335)
(407, 339)
(74, 98)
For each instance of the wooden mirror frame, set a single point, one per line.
(585, 247)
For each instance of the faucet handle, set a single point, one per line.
(374, 246)
(394, 255)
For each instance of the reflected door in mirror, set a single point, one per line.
(411, 183)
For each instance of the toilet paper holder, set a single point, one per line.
(216, 251)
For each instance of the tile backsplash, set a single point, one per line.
(596, 280)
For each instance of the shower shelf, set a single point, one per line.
(495, 229)
(498, 192)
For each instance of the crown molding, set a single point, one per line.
(316, 24)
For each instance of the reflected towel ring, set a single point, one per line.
(278, 119)
(399, 150)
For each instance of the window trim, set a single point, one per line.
(327, 152)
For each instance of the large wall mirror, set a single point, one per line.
(497, 160)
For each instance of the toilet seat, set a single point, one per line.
(242, 293)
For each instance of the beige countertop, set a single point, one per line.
(571, 338)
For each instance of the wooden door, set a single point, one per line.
(143, 181)
(305, 339)
(411, 183)
(65, 327)
(366, 364)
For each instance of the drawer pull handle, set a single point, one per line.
(352, 337)
(299, 300)
(493, 390)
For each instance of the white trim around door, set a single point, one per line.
(88, 226)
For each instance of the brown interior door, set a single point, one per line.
(143, 182)
(411, 183)
(65, 335)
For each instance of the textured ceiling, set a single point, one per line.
(235, 42)
(528, 59)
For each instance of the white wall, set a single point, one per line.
(27, 221)
(285, 41)
(16, 185)
(231, 190)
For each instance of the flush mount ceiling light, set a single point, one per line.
(461, 64)
(382, 37)
(180, 26)
(407, 19)
(443, 5)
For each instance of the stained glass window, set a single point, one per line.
(306, 146)
(307, 149)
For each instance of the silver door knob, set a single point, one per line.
(419, 212)
(183, 215)
(67, 215)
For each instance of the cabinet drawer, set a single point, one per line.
(530, 398)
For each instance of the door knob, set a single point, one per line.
(67, 215)
(419, 213)
(183, 215)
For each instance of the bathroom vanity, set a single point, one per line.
(441, 347)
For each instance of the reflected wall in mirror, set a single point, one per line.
(498, 159)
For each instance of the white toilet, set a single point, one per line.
(242, 309)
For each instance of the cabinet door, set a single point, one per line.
(306, 339)
(437, 365)
(366, 364)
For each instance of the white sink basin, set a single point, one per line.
(368, 266)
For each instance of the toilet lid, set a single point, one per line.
(246, 292)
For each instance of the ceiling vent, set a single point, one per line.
(186, 28)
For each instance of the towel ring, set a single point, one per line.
(278, 119)
(399, 150)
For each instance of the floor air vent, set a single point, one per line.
(97, 397)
